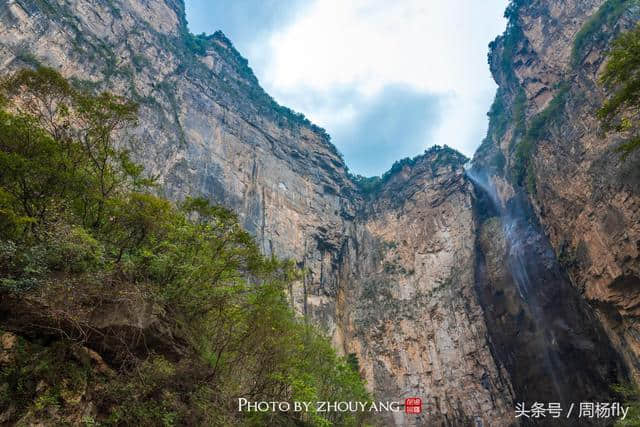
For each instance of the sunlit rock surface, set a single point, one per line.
(586, 199)
(412, 277)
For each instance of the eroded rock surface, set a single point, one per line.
(391, 275)
(584, 196)
(410, 309)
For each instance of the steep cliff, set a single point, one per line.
(543, 332)
(389, 275)
(206, 127)
(413, 317)
(545, 145)
(410, 277)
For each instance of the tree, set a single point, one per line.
(72, 142)
(79, 222)
(622, 75)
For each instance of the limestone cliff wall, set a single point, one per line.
(406, 277)
(389, 275)
(413, 316)
(587, 201)
(206, 127)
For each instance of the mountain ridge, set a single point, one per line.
(410, 277)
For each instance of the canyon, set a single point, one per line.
(451, 280)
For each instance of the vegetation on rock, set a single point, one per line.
(79, 222)
(537, 128)
(591, 32)
(619, 112)
(631, 399)
(441, 156)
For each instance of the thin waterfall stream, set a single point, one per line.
(547, 337)
(516, 229)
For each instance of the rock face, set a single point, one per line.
(542, 330)
(408, 307)
(587, 200)
(390, 275)
(410, 277)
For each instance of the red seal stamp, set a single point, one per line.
(413, 405)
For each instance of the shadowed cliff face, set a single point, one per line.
(442, 290)
(389, 275)
(544, 333)
(544, 148)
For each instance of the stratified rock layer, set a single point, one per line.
(411, 313)
(389, 275)
(586, 199)
(407, 277)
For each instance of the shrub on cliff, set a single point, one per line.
(78, 218)
(630, 398)
(592, 30)
(622, 77)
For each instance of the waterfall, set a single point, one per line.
(549, 342)
(519, 234)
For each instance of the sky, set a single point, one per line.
(387, 80)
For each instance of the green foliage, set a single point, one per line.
(622, 77)
(72, 249)
(519, 117)
(511, 40)
(397, 166)
(591, 32)
(368, 185)
(631, 398)
(58, 145)
(196, 43)
(40, 378)
(150, 401)
(498, 161)
(538, 125)
(74, 209)
(629, 146)
(22, 268)
(498, 117)
(537, 129)
(501, 117)
(28, 58)
(352, 360)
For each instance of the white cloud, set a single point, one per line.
(436, 47)
(334, 60)
(370, 43)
